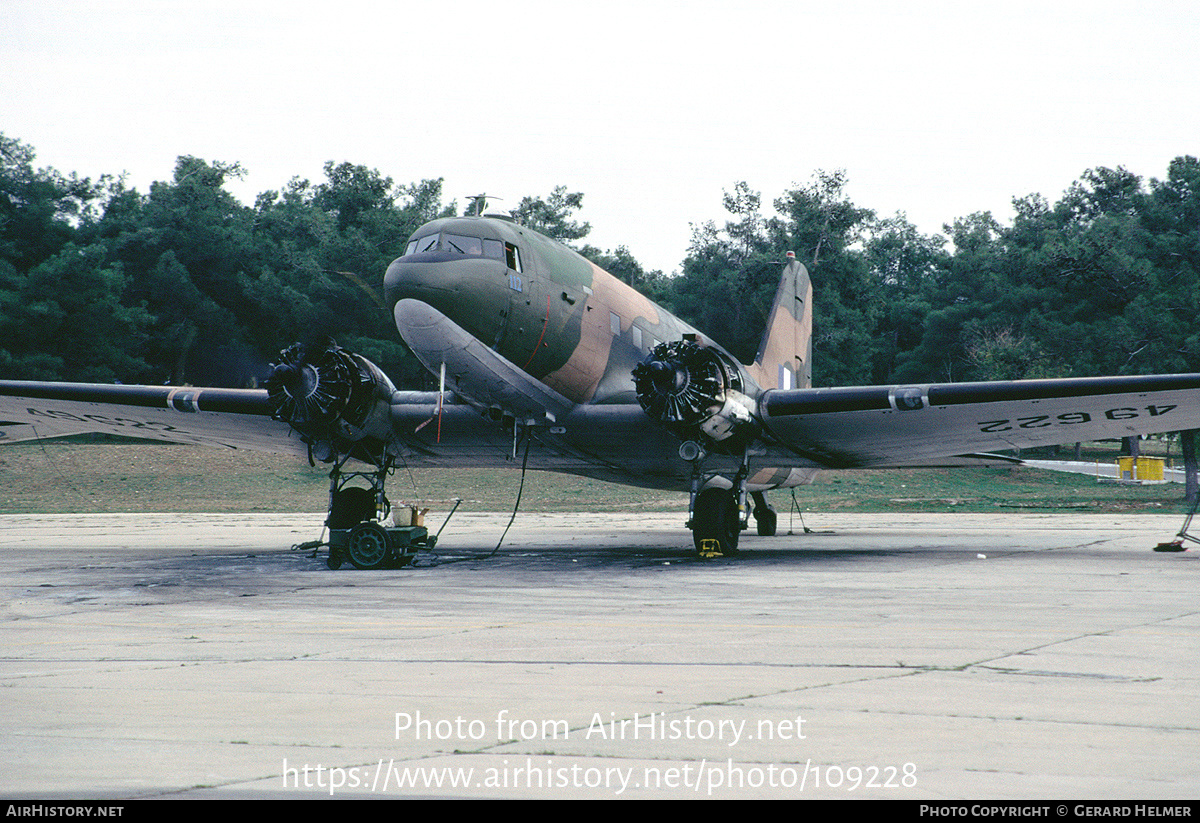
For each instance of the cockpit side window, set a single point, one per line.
(512, 256)
(493, 249)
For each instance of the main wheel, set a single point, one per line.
(715, 518)
(351, 506)
(369, 546)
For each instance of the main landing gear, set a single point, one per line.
(357, 530)
(716, 523)
(718, 517)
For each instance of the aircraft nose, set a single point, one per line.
(406, 279)
(436, 280)
(473, 291)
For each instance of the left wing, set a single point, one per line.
(896, 425)
(610, 442)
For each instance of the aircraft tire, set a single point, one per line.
(369, 546)
(716, 518)
(766, 520)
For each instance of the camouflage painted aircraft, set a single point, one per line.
(548, 361)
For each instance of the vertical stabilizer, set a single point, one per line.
(785, 354)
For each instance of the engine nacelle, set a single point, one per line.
(735, 415)
(696, 392)
(335, 399)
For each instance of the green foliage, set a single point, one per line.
(730, 275)
(1105, 281)
(552, 215)
(1001, 354)
(39, 209)
(183, 283)
(726, 286)
(65, 320)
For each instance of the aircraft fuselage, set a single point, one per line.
(548, 310)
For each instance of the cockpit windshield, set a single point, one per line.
(419, 244)
(466, 245)
(457, 243)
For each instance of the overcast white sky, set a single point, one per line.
(652, 109)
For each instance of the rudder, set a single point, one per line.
(784, 358)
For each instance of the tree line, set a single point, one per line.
(1104, 281)
(184, 284)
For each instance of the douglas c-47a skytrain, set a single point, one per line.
(548, 361)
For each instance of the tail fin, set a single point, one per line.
(785, 354)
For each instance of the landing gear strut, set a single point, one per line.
(717, 516)
(356, 530)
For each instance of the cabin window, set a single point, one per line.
(614, 322)
(637, 337)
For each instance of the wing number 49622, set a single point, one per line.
(1041, 421)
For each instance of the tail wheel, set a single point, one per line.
(716, 525)
(369, 546)
(764, 515)
(767, 521)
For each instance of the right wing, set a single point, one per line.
(608, 442)
(235, 418)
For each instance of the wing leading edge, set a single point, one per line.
(892, 425)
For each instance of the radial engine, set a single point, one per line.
(696, 391)
(339, 402)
